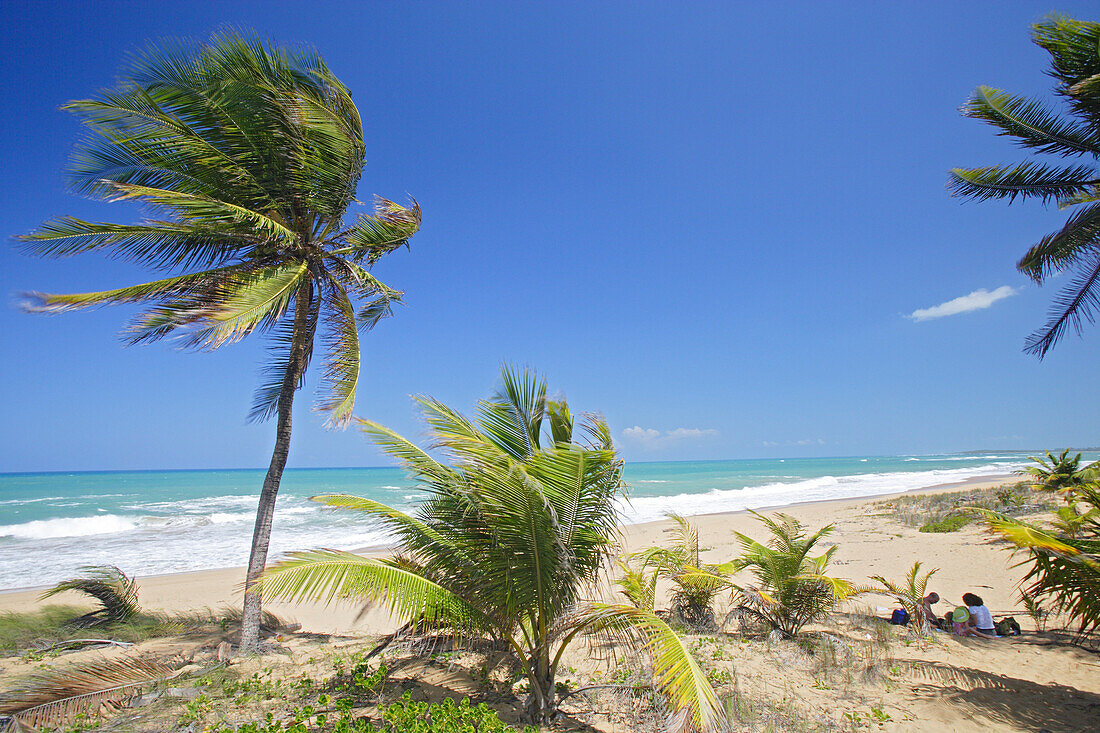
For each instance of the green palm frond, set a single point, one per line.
(512, 418)
(391, 226)
(341, 376)
(170, 287)
(1076, 303)
(112, 588)
(1030, 123)
(52, 698)
(257, 300)
(1074, 64)
(329, 575)
(1027, 180)
(1065, 248)
(204, 209)
(691, 699)
(160, 244)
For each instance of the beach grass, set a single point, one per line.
(943, 512)
(47, 629)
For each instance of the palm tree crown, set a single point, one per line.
(509, 541)
(1075, 64)
(248, 155)
(251, 154)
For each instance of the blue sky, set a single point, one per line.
(712, 222)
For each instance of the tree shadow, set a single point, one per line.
(1023, 703)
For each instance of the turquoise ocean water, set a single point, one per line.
(151, 522)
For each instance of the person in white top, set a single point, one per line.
(980, 616)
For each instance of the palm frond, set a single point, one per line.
(1028, 180)
(55, 696)
(182, 285)
(161, 244)
(677, 674)
(328, 575)
(112, 588)
(1076, 303)
(205, 209)
(1069, 246)
(341, 377)
(391, 226)
(1031, 123)
(257, 300)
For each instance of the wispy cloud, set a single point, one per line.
(977, 300)
(650, 439)
(804, 441)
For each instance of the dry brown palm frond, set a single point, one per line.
(55, 696)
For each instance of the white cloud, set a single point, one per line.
(977, 300)
(651, 439)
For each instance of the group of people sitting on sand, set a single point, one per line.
(971, 619)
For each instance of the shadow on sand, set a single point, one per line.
(1021, 703)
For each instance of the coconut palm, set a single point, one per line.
(694, 583)
(1073, 134)
(508, 544)
(1058, 473)
(791, 588)
(249, 155)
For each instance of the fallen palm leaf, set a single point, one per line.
(54, 697)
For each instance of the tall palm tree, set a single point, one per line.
(509, 542)
(250, 154)
(1075, 64)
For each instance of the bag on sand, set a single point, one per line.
(900, 617)
(1007, 627)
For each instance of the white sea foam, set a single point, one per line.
(31, 501)
(227, 517)
(824, 488)
(209, 532)
(68, 527)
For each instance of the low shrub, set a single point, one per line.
(952, 523)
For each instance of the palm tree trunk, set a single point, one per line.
(541, 705)
(265, 512)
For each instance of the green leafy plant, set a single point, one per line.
(910, 593)
(1061, 568)
(1035, 610)
(792, 588)
(250, 155)
(1075, 65)
(950, 523)
(507, 542)
(695, 584)
(1059, 473)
